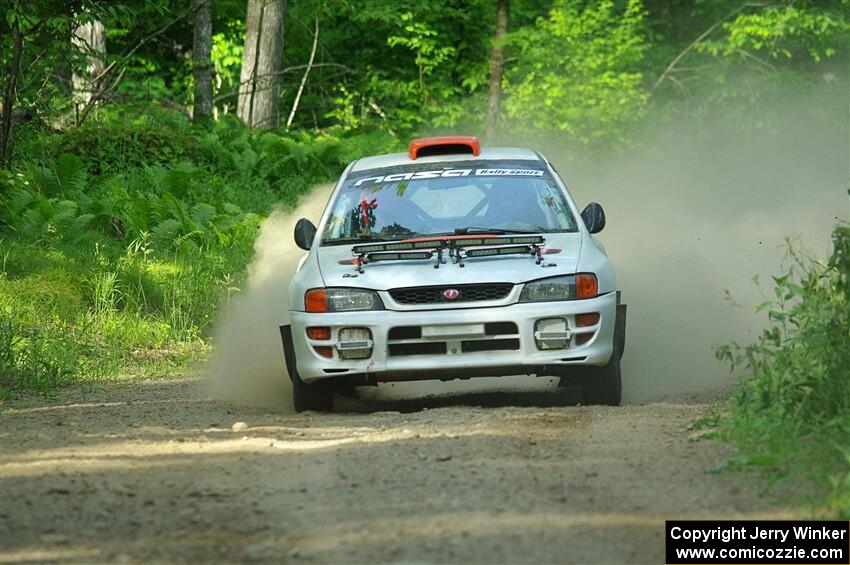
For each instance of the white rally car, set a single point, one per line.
(452, 261)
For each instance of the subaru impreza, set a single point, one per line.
(452, 261)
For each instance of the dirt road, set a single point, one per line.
(156, 472)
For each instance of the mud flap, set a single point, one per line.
(620, 325)
(620, 328)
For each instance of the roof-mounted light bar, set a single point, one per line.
(444, 145)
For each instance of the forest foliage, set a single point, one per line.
(125, 227)
(793, 405)
(586, 71)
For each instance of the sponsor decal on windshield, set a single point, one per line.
(448, 173)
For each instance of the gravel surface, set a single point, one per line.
(157, 472)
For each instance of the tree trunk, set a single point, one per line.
(258, 100)
(90, 39)
(9, 92)
(201, 62)
(497, 70)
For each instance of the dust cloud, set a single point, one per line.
(705, 206)
(701, 207)
(247, 366)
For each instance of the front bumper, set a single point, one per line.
(396, 358)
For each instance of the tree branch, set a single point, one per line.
(304, 78)
(696, 42)
(234, 91)
(104, 87)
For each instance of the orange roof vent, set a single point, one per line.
(444, 145)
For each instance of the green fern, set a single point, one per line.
(180, 179)
(79, 224)
(70, 173)
(203, 213)
(167, 230)
(35, 222)
(17, 201)
(64, 212)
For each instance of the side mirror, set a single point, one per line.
(305, 231)
(594, 217)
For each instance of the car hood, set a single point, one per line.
(398, 274)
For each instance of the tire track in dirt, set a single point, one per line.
(154, 471)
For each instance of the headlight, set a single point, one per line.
(341, 300)
(567, 287)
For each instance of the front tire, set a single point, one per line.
(604, 385)
(318, 396)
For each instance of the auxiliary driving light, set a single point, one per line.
(355, 343)
(551, 333)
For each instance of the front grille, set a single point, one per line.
(489, 345)
(498, 328)
(423, 348)
(498, 336)
(466, 293)
(405, 332)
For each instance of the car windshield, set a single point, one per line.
(446, 198)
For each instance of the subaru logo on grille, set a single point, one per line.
(451, 293)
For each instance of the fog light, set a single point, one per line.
(581, 339)
(355, 343)
(324, 350)
(551, 333)
(319, 333)
(584, 320)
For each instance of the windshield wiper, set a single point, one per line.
(489, 231)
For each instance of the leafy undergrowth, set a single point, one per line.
(791, 414)
(121, 240)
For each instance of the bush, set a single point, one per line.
(792, 409)
(122, 238)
